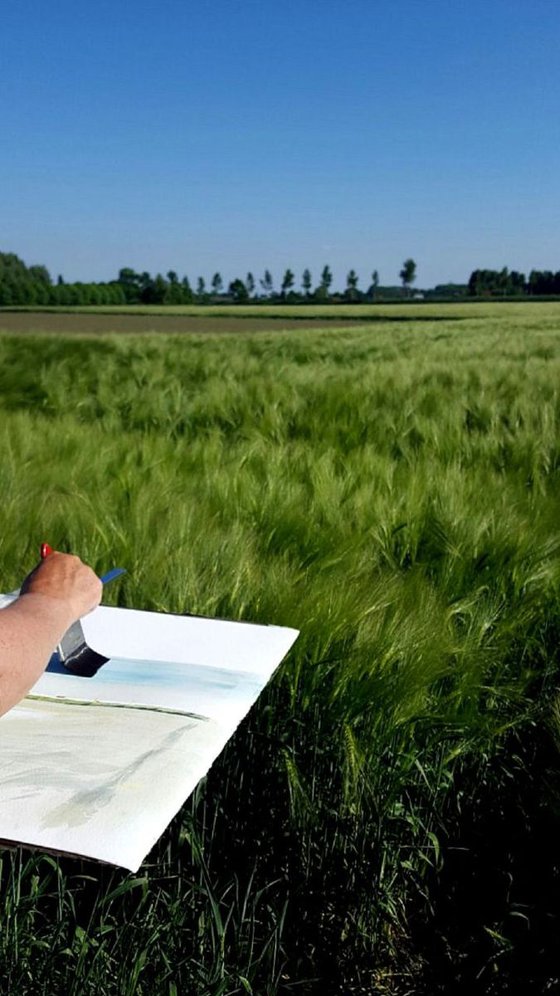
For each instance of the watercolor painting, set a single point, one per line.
(99, 766)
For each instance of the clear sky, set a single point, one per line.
(235, 135)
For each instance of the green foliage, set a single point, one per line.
(217, 284)
(503, 283)
(392, 492)
(238, 290)
(288, 281)
(408, 273)
(31, 286)
(23, 285)
(267, 283)
(351, 286)
(373, 288)
(326, 280)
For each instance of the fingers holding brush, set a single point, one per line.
(65, 577)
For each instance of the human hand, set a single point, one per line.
(64, 577)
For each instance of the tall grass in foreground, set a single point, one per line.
(394, 494)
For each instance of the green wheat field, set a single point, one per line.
(387, 819)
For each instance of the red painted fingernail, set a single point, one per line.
(45, 550)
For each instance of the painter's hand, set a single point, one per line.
(64, 577)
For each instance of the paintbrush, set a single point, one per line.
(73, 650)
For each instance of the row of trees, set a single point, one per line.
(141, 287)
(32, 285)
(511, 283)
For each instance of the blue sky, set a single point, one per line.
(242, 134)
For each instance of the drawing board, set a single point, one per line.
(99, 766)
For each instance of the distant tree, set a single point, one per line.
(322, 291)
(6, 294)
(77, 294)
(111, 293)
(24, 292)
(42, 292)
(287, 282)
(217, 283)
(408, 274)
(306, 282)
(173, 292)
(201, 287)
(129, 281)
(267, 283)
(159, 289)
(103, 293)
(86, 295)
(547, 282)
(187, 290)
(127, 275)
(502, 283)
(63, 294)
(326, 279)
(39, 274)
(351, 285)
(250, 284)
(153, 291)
(517, 283)
(449, 291)
(145, 281)
(238, 291)
(373, 287)
(172, 277)
(12, 268)
(540, 282)
(60, 280)
(146, 288)
(475, 284)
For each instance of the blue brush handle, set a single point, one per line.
(111, 575)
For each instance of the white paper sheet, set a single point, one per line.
(99, 766)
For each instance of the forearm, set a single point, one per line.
(30, 629)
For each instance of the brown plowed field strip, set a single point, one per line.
(43, 321)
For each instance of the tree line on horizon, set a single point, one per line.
(32, 285)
